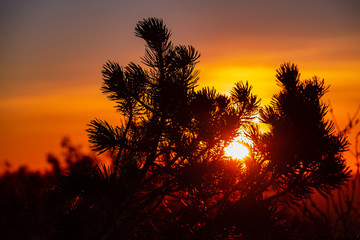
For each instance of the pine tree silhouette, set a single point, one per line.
(170, 178)
(303, 149)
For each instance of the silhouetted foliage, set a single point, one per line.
(335, 216)
(302, 147)
(169, 177)
(27, 210)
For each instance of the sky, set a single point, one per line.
(52, 54)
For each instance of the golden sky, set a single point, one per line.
(52, 53)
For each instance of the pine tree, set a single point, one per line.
(170, 178)
(303, 150)
(169, 152)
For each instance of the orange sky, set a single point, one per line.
(52, 53)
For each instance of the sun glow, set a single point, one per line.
(236, 150)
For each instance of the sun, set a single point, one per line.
(236, 150)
